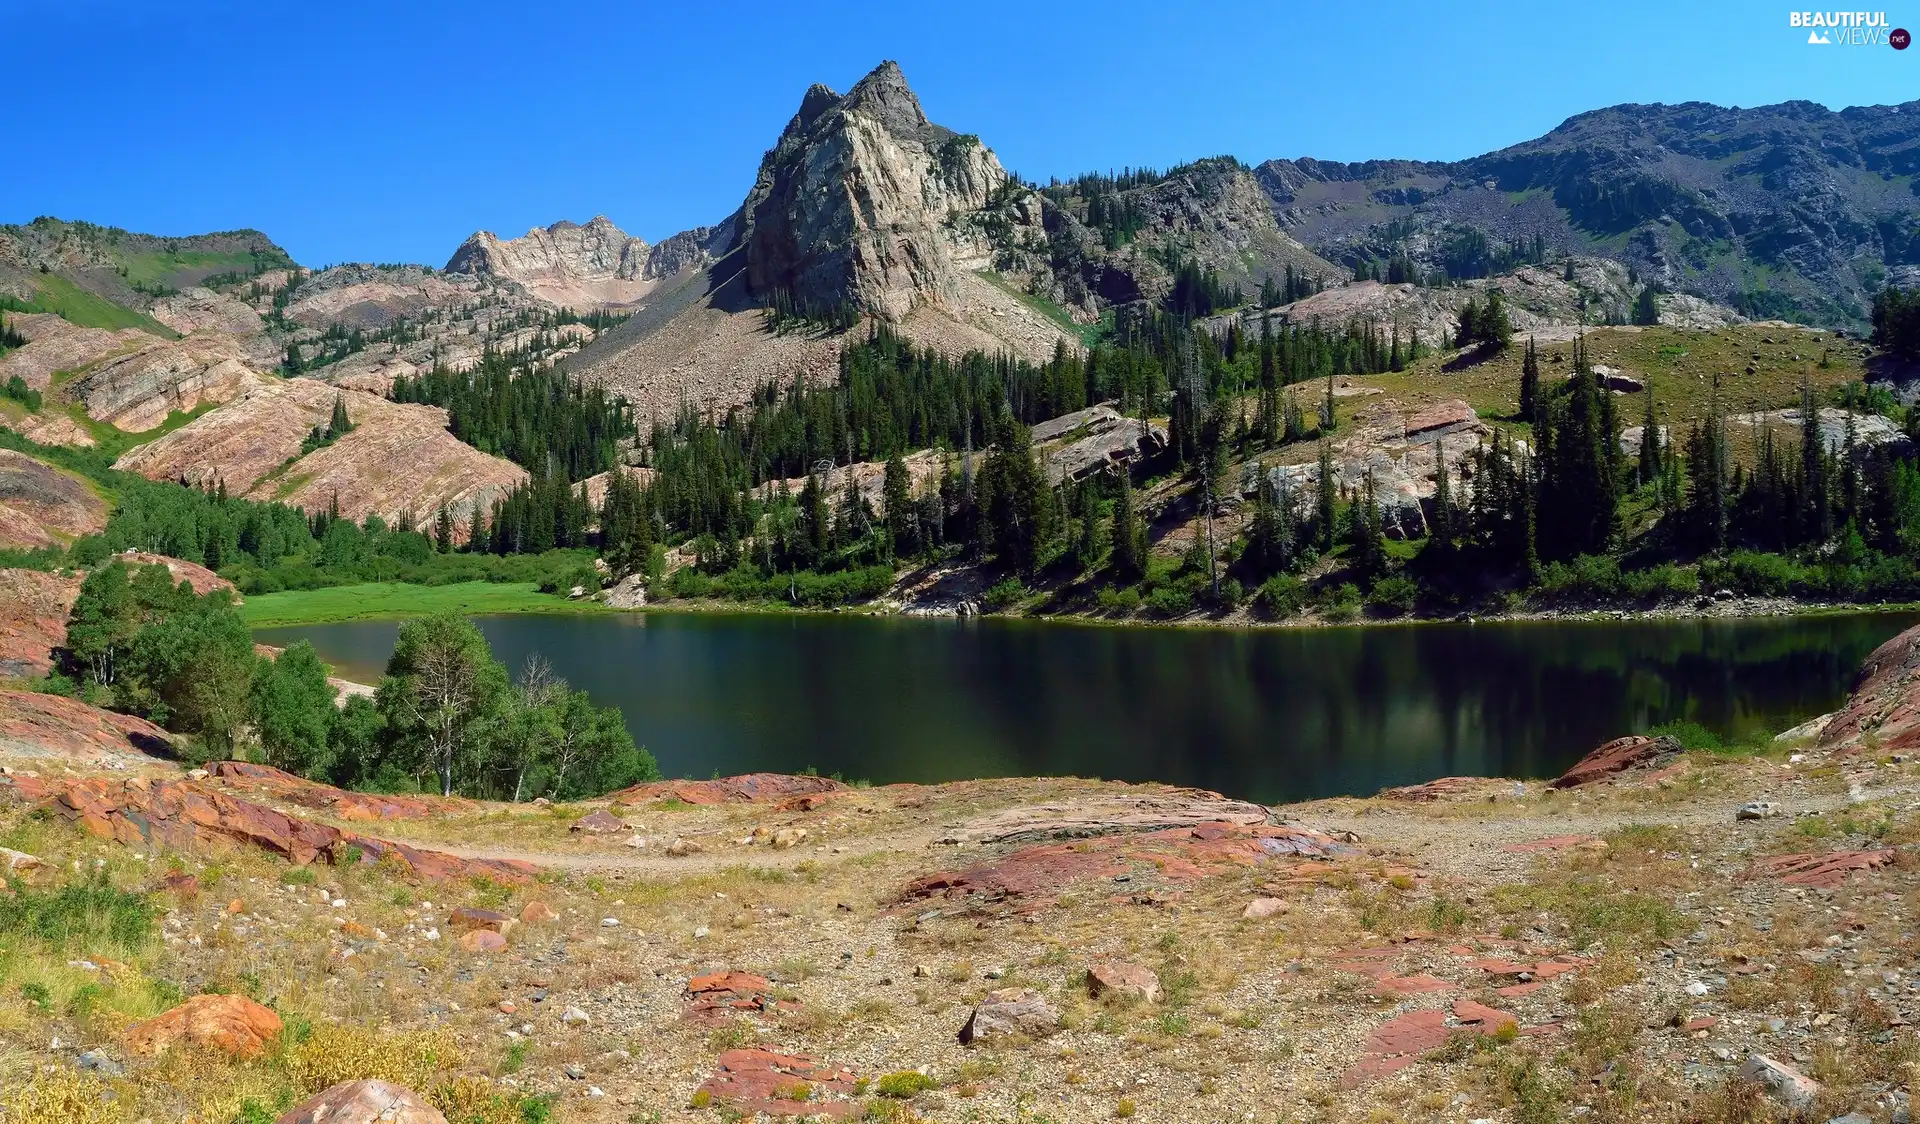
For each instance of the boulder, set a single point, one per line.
(599, 822)
(1009, 1012)
(232, 1024)
(490, 920)
(1757, 810)
(1615, 757)
(19, 862)
(1261, 908)
(534, 912)
(481, 940)
(364, 1102)
(37, 725)
(1129, 981)
(1793, 1088)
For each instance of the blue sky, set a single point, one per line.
(358, 131)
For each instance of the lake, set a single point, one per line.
(1266, 714)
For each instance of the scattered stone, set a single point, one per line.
(19, 862)
(97, 1061)
(365, 1102)
(788, 837)
(1436, 789)
(1488, 1020)
(535, 912)
(1793, 1088)
(232, 1024)
(752, 788)
(574, 1016)
(1261, 908)
(1130, 981)
(1757, 810)
(681, 848)
(575, 1071)
(1011, 1011)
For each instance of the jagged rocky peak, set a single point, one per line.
(852, 205)
(597, 249)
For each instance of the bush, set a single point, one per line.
(1341, 603)
(1118, 601)
(1394, 596)
(1281, 595)
(905, 1085)
(1174, 599)
(1003, 594)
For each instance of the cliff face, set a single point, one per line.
(854, 204)
(565, 264)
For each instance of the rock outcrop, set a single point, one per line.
(397, 459)
(1634, 751)
(54, 345)
(43, 506)
(851, 204)
(749, 788)
(1400, 452)
(567, 264)
(197, 309)
(182, 814)
(136, 390)
(37, 725)
(1884, 710)
(33, 620)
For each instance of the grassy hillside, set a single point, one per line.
(60, 296)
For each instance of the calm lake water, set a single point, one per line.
(1271, 714)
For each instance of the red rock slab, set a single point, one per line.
(1517, 991)
(1373, 1067)
(1488, 1020)
(1178, 854)
(1548, 843)
(1497, 967)
(1420, 984)
(750, 788)
(1704, 1022)
(1821, 871)
(34, 606)
(1615, 757)
(36, 725)
(754, 1081)
(1433, 790)
(182, 814)
(1415, 1032)
(1440, 415)
(354, 807)
(715, 996)
(1885, 701)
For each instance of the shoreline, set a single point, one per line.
(349, 603)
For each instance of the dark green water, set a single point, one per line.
(1267, 714)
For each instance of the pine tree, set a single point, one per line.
(1649, 444)
(1529, 381)
(1323, 512)
(1816, 503)
(339, 425)
(1129, 534)
(897, 494)
(443, 531)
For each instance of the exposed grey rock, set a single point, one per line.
(1008, 1012)
(1789, 1085)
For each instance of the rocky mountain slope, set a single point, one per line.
(1783, 210)
(566, 264)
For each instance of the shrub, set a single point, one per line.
(1003, 594)
(904, 1085)
(1394, 596)
(1111, 600)
(1281, 595)
(1171, 600)
(1341, 603)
